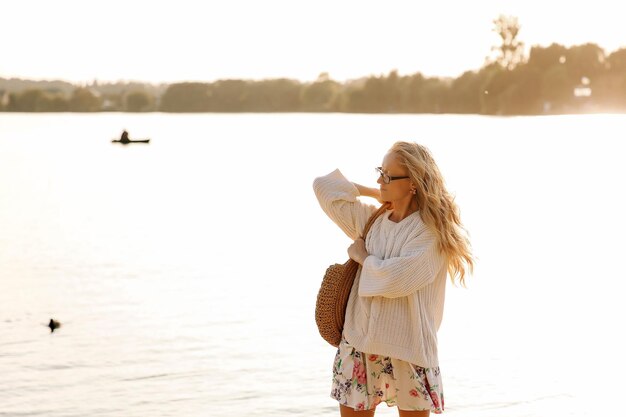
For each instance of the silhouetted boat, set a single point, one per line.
(126, 142)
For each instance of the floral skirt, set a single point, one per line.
(362, 381)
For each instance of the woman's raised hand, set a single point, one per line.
(368, 192)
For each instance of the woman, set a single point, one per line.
(388, 352)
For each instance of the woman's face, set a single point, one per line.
(396, 189)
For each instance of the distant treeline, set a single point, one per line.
(552, 79)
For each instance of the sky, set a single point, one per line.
(170, 41)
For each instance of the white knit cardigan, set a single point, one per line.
(396, 303)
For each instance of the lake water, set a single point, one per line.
(185, 271)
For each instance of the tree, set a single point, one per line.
(320, 95)
(610, 88)
(26, 101)
(84, 100)
(33, 100)
(523, 95)
(413, 99)
(138, 100)
(510, 50)
(543, 59)
(371, 98)
(284, 94)
(617, 61)
(186, 97)
(229, 95)
(465, 93)
(556, 87)
(393, 87)
(50, 102)
(585, 61)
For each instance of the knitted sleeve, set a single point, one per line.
(403, 275)
(338, 198)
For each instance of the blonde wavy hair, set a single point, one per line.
(437, 207)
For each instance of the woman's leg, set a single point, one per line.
(406, 413)
(351, 412)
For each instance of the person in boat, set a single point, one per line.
(124, 138)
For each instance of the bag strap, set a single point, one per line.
(373, 218)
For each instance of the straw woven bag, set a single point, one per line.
(332, 298)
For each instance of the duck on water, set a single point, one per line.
(53, 325)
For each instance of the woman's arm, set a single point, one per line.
(338, 198)
(402, 275)
(368, 191)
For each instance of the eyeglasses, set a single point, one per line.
(386, 178)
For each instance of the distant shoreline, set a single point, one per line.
(551, 80)
(563, 113)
